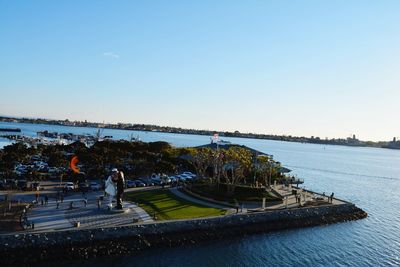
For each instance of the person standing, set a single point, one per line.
(120, 189)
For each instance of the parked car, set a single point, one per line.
(165, 179)
(156, 181)
(139, 183)
(53, 170)
(155, 176)
(192, 175)
(35, 157)
(130, 184)
(69, 186)
(146, 182)
(83, 187)
(42, 168)
(94, 186)
(22, 169)
(185, 177)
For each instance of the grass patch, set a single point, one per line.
(167, 206)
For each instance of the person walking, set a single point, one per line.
(46, 199)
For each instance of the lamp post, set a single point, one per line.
(271, 164)
(255, 169)
(270, 175)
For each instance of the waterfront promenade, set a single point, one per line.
(48, 217)
(306, 198)
(87, 231)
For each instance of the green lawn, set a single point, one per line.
(167, 206)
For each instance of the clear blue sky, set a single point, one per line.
(322, 68)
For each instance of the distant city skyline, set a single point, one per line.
(307, 68)
(220, 131)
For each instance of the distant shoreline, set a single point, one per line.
(353, 142)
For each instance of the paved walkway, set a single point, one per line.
(47, 218)
(290, 199)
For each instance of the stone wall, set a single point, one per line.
(88, 243)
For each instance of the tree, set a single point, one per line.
(17, 152)
(237, 165)
(200, 158)
(268, 168)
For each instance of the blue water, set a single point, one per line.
(368, 177)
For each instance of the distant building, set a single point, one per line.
(353, 140)
(393, 144)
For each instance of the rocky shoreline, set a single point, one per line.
(31, 249)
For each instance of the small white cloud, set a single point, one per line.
(111, 55)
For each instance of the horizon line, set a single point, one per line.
(183, 128)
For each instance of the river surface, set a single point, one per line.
(368, 177)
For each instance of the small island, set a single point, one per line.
(55, 207)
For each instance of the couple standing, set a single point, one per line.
(115, 187)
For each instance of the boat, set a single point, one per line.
(16, 130)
